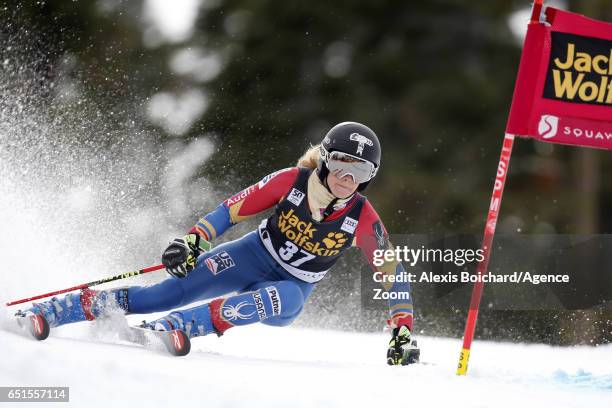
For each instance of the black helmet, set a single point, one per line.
(354, 139)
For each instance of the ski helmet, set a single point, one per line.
(353, 139)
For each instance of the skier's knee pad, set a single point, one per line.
(281, 321)
(291, 299)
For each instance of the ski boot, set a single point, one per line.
(193, 322)
(77, 307)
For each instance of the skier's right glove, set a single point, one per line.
(181, 255)
(402, 351)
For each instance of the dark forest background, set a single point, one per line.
(264, 79)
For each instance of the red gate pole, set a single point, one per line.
(489, 232)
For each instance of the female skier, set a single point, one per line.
(318, 214)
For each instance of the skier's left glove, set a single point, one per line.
(402, 350)
(181, 255)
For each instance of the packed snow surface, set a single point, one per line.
(281, 367)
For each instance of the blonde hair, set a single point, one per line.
(310, 158)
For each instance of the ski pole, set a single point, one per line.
(87, 285)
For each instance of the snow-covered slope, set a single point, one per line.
(73, 213)
(281, 367)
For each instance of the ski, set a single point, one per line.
(35, 325)
(174, 342)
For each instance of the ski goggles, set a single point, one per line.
(344, 164)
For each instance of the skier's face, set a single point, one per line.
(341, 187)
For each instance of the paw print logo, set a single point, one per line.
(334, 240)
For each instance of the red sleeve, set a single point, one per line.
(261, 196)
(371, 236)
